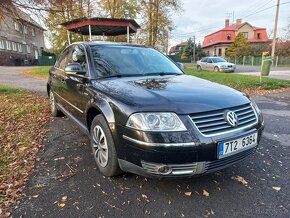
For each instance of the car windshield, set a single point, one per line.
(218, 60)
(131, 61)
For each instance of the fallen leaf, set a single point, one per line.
(188, 193)
(61, 205)
(276, 188)
(205, 193)
(169, 202)
(64, 198)
(59, 158)
(241, 180)
(35, 196)
(144, 196)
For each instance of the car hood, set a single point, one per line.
(224, 63)
(182, 94)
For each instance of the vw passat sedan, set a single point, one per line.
(216, 64)
(145, 116)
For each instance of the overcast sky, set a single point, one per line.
(201, 17)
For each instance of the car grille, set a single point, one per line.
(213, 122)
(215, 165)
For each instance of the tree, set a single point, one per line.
(239, 47)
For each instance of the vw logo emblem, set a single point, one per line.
(231, 118)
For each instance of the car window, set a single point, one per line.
(209, 60)
(78, 55)
(203, 60)
(218, 60)
(61, 63)
(129, 60)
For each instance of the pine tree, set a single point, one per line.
(239, 47)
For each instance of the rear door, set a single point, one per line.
(203, 63)
(58, 77)
(210, 64)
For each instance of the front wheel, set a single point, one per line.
(216, 69)
(103, 147)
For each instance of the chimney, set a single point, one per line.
(227, 22)
(238, 21)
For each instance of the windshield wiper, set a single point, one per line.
(161, 73)
(121, 75)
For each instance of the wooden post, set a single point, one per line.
(277, 58)
(128, 34)
(103, 36)
(252, 60)
(243, 60)
(90, 32)
(68, 37)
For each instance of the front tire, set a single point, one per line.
(53, 109)
(103, 147)
(216, 69)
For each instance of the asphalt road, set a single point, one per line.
(11, 76)
(67, 168)
(246, 68)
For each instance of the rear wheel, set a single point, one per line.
(103, 147)
(53, 108)
(216, 69)
(199, 67)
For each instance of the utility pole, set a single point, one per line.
(275, 30)
(193, 55)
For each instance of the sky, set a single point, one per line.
(202, 17)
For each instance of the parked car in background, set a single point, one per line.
(145, 116)
(216, 64)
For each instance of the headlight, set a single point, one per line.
(255, 105)
(155, 122)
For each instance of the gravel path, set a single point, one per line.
(11, 76)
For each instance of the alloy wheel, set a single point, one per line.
(100, 146)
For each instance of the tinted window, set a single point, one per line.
(209, 60)
(61, 63)
(125, 60)
(203, 60)
(78, 55)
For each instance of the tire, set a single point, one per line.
(198, 67)
(216, 69)
(103, 147)
(53, 109)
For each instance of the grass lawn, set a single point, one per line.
(241, 82)
(22, 116)
(37, 72)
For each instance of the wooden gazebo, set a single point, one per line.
(98, 26)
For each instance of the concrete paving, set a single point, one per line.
(277, 74)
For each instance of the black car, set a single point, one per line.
(145, 116)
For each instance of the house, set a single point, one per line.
(216, 44)
(21, 39)
(177, 48)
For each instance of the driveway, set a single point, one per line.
(246, 68)
(67, 183)
(11, 76)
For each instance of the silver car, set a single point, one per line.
(216, 64)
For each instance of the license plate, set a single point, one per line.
(231, 147)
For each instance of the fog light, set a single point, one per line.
(164, 170)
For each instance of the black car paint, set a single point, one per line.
(117, 98)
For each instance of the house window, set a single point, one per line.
(14, 46)
(220, 52)
(25, 29)
(19, 47)
(229, 37)
(28, 49)
(17, 26)
(33, 32)
(2, 44)
(259, 35)
(8, 45)
(246, 35)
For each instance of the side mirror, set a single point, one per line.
(74, 69)
(180, 65)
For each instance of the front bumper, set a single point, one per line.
(186, 154)
(231, 69)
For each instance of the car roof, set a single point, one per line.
(214, 57)
(106, 43)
